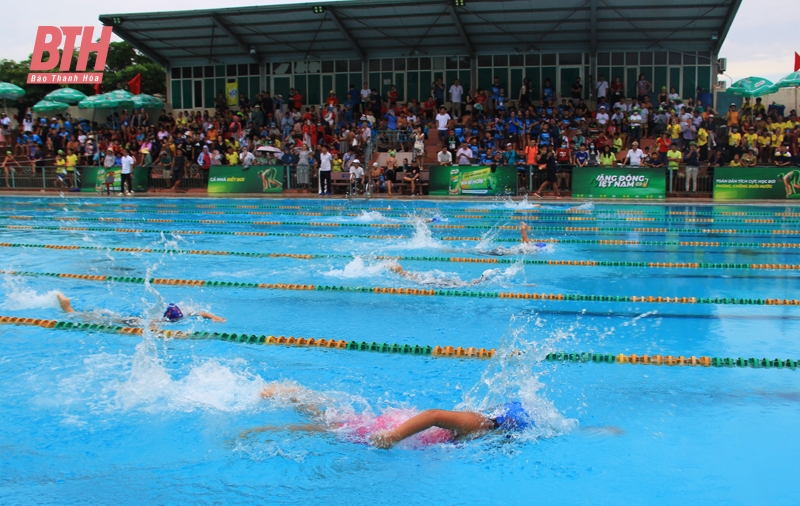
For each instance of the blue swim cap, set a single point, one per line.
(513, 417)
(541, 245)
(173, 313)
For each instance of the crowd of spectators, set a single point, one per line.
(534, 130)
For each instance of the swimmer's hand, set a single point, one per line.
(384, 439)
(275, 388)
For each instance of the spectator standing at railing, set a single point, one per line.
(692, 160)
(126, 172)
(456, 93)
(602, 87)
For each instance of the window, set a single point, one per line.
(617, 58)
(689, 59)
(704, 58)
(438, 63)
(570, 58)
(254, 69)
(425, 64)
(197, 72)
(341, 66)
(230, 70)
(548, 59)
(484, 60)
(464, 63)
(399, 63)
(355, 65)
(268, 68)
(327, 66)
(646, 58)
(631, 58)
(176, 72)
(674, 58)
(532, 60)
(603, 59)
(500, 60)
(516, 60)
(386, 65)
(413, 64)
(374, 65)
(660, 58)
(187, 72)
(451, 63)
(243, 69)
(281, 68)
(208, 71)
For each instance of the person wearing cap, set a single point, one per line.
(749, 158)
(332, 100)
(356, 176)
(692, 161)
(61, 170)
(8, 163)
(109, 160)
(734, 141)
(376, 176)
(783, 158)
(412, 174)
(601, 117)
(636, 120)
(634, 156)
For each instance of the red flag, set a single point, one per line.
(97, 89)
(796, 62)
(135, 84)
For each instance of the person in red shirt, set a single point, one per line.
(564, 160)
(480, 102)
(393, 97)
(428, 107)
(332, 101)
(297, 98)
(664, 143)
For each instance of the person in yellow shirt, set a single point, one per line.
(61, 170)
(737, 161)
(607, 157)
(674, 158)
(751, 138)
(764, 145)
(232, 157)
(72, 162)
(674, 129)
(702, 141)
(749, 159)
(733, 116)
(734, 142)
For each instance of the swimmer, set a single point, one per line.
(172, 314)
(433, 426)
(523, 230)
(447, 283)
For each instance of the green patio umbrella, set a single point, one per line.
(111, 100)
(66, 95)
(50, 106)
(146, 101)
(10, 91)
(752, 87)
(790, 81)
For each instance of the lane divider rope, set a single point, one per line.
(420, 292)
(602, 242)
(404, 349)
(706, 231)
(669, 360)
(481, 260)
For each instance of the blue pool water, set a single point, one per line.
(94, 418)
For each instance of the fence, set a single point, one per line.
(44, 178)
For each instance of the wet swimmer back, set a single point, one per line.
(172, 313)
(433, 426)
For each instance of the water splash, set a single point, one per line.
(532, 248)
(18, 296)
(360, 268)
(421, 238)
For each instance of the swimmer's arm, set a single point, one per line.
(525, 236)
(463, 423)
(212, 317)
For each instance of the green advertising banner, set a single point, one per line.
(758, 183)
(93, 179)
(256, 179)
(619, 182)
(473, 180)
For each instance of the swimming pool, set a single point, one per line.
(92, 416)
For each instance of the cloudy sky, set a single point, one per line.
(760, 41)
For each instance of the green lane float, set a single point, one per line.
(481, 260)
(649, 299)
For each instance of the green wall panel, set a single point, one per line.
(660, 79)
(630, 82)
(485, 79)
(704, 78)
(176, 94)
(375, 81)
(425, 80)
(412, 86)
(314, 95)
(244, 87)
(186, 94)
(535, 75)
(689, 82)
(464, 76)
(342, 87)
(552, 74)
(301, 83)
(208, 93)
(515, 84)
(675, 79)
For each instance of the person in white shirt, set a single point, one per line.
(247, 158)
(602, 116)
(356, 174)
(634, 156)
(325, 171)
(442, 121)
(445, 157)
(602, 87)
(456, 92)
(126, 172)
(464, 155)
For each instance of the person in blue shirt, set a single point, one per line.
(545, 137)
(510, 155)
(548, 93)
(496, 87)
(501, 100)
(354, 98)
(581, 156)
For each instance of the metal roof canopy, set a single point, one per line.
(363, 29)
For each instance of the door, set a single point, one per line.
(566, 78)
(281, 86)
(198, 94)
